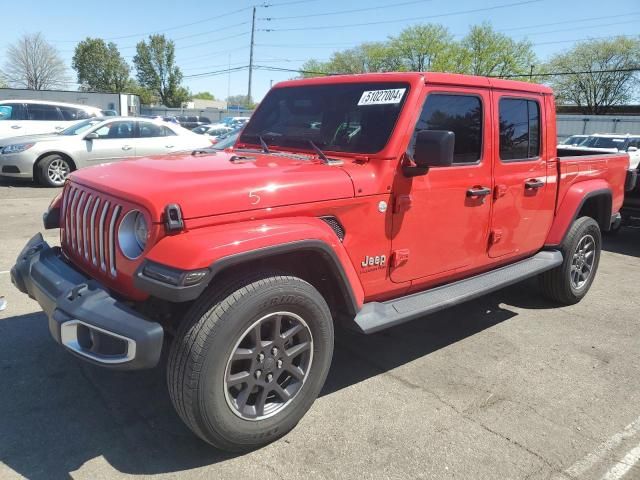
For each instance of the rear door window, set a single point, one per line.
(519, 129)
(72, 114)
(119, 129)
(43, 112)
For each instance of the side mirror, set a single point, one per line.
(433, 148)
(632, 149)
(91, 136)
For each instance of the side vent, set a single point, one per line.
(335, 225)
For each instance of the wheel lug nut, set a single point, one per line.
(269, 377)
(274, 351)
(279, 363)
(258, 373)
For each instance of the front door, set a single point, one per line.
(115, 140)
(441, 219)
(524, 202)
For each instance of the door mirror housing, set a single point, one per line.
(632, 149)
(91, 136)
(433, 148)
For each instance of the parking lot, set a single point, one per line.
(506, 387)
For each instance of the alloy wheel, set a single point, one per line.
(582, 262)
(268, 366)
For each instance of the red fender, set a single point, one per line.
(218, 245)
(570, 205)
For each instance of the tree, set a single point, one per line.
(367, 57)
(486, 52)
(204, 96)
(100, 66)
(157, 71)
(590, 87)
(423, 48)
(240, 100)
(147, 97)
(34, 64)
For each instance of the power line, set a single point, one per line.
(583, 72)
(217, 72)
(407, 19)
(572, 22)
(340, 12)
(175, 27)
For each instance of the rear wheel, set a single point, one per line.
(570, 282)
(249, 362)
(53, 170)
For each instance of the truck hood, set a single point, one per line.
(215, 184)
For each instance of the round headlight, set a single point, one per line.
(132, 234)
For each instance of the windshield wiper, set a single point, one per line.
(320, 153)
(263, 144)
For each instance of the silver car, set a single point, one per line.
(49, 158)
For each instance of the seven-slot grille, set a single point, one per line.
(90, 221)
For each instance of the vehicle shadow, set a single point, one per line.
(57, 412)
(19, 183)
(625, 242)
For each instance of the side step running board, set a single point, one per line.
(376, 316)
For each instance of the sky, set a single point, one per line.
(214, 36)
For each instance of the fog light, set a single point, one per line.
(192, 278)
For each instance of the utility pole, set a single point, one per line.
(253, 31)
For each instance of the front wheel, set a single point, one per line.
(53, 170)
(570, 282)
(248, 363)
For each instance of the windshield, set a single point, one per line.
(575, 140)
(81, 127)
(348, 117)
(605, 142)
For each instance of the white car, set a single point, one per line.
(612, 143)
(28, 117)
(49, 158)
(212, 131)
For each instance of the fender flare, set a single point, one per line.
(219, 247)
(570, 206)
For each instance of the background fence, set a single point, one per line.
(212, 114)
(589, 124)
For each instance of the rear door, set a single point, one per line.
(44, 118)
(116, 140)
(523, 199)
(155, 139)
(441, 219)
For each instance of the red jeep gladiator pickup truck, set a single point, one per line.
(366, 199)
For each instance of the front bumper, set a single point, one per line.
(17, 165)
(83, 316)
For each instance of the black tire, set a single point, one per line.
(200, 358)
(53, 170)
(565, 284)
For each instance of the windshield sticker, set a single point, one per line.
(382, 97)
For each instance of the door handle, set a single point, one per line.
(478, 192)
(533, 184)
(126, 147)
(168, 146)
(15, 127)
(59, 128)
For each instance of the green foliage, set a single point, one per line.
(100, 66)
(489, 53)
(431, 47)
(204, 96)
(596, 92)
(157, 71)
(240, 100)
(147, 97)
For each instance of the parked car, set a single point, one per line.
(193, 121)
(49, 158)
(212, 131)
(574, 140)
(227, 140)
(610, 142)
(28, 117)
(241, 262)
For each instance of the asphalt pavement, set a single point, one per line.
(506, 387)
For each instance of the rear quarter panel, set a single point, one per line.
(580, 177)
